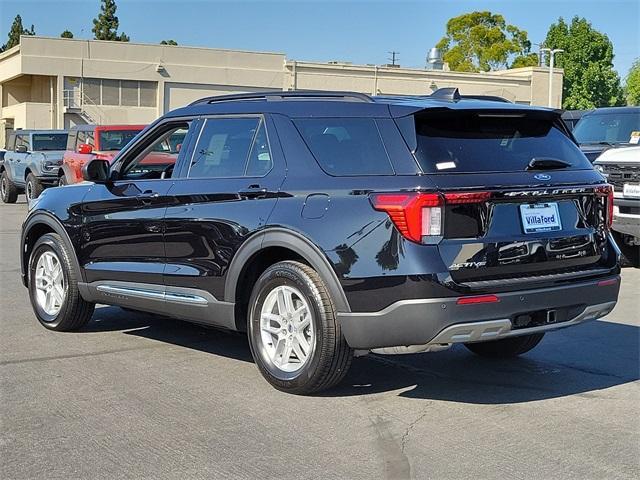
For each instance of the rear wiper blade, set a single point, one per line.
(547, 163)
(598, 143)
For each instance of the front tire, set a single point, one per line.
(53, 287)
(507, 347)
(293, 331)
(62, 181)
(33, 188)
(8, 189)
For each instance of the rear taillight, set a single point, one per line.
(419, 216)
(607, 191)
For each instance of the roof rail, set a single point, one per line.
(277, 95)
(447, 93)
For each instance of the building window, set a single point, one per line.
(92, 90)
(129, 93)
(126, 93)
(148, 94)
(110, 92)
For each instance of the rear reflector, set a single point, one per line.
(606, 283)
(478, 299)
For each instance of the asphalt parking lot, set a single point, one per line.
(133, 396)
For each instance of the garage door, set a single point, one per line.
(178, 95)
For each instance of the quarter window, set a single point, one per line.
(346, 146)
(223, 149)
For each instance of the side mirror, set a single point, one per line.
(21, 149)
(96, 170)
(84, 148)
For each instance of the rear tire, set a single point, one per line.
(33, 188)
(59, 307)
(293, 331)
(507, 347)
(8, 189)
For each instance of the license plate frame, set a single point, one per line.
(631, 190)
(540, 217)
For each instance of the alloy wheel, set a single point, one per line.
(286, 329)
(49, 282)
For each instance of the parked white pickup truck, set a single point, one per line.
(621, 166)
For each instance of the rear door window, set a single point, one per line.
(346, 146)
(462, 142)
(49, 141)
(223, 147)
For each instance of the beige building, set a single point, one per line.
(56, 83)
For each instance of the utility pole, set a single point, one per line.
(552, 54)
(394, 57)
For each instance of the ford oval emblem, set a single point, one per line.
(542, 176)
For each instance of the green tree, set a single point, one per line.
(105, 26)
(168, 42)
(15, 31)
(589, 78)
(66, 34)
(632, 87)
(483, 41)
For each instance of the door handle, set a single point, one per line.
(147, 196)
(253, 191)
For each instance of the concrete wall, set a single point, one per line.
(515, 85)
(29, 115)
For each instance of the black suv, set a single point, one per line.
(332, 224)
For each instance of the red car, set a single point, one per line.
(86, 142)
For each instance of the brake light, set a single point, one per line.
(414, 214)
(607, 191)
(417, 215)
(466, 197)
(477, 300)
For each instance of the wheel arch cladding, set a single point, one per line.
(265, 249)
(37, 225)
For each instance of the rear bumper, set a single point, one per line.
(442, 320)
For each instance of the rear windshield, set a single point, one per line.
(116, 139)
(49, 141)
(346, 146)
(607, 128)
(474, 142)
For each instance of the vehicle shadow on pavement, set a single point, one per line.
(171, 331)
(579, 360)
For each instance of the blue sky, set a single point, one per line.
(357, 31)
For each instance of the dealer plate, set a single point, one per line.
(540, 217)
(631, 190)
